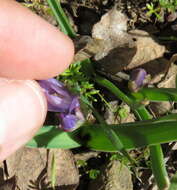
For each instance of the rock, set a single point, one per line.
(114, 49)
(122, 50)
(160, 108)
(110, 46)
(114, 176)
(113, 25)
(27, 164)
(67, 175)
(32, 168)
(117, 48)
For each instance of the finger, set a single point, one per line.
(22, 112)
(30, 48)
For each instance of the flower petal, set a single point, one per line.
(55, 82)
(54, 86)
(46, 86)
(69, 122)
(74, 104)
(137, 79)
(58, 98)
(57, 104)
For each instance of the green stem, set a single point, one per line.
(61, 18)
(156, 155)
(112, 88)
(158, 167)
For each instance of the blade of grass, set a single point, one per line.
(61, 18)
(53, 172)
(156, 94)
(132, 136)
(112, 88)
(156, 155)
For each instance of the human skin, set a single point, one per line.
(30, 48)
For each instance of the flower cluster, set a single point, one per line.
(60, 100)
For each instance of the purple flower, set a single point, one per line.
(60, 100)
(137, 79)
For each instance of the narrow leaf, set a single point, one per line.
(156, 94)
(53, 171)
(132, 135)
(61, 18)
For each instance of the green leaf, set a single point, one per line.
(110, 134)
(132, 135)
(156, 94)
(52, 137)
(113, 89)
(61, 18)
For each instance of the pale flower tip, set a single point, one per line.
(70, 122)
(137, 78)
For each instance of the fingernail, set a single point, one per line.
(34, 86)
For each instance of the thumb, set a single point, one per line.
(22, 111)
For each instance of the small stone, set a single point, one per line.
(67, 175)
(112, 25)
(160, 108)
(114, 176)
(27, 164)
(32, 168)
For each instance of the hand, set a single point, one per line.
(30, 48)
